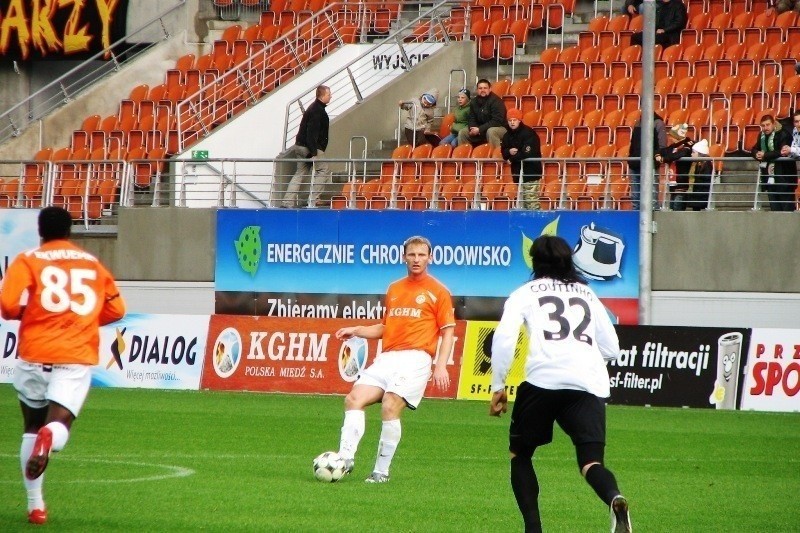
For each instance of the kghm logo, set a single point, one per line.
(227, 352)
(248, 249)
(117, 349)
(352, 358)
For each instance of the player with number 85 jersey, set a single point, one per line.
(68, 293)
(61, 295)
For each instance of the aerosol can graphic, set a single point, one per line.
(598, 253)
(729, 356)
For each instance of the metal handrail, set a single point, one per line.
(351, 167)
(450, 90)
(63, 87)
(184, 107)
(394, 38)
(232, 179)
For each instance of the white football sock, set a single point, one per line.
(352, 431)
(60, 435)
(390, 438)
(32, 486)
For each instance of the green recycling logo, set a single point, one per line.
(248, 249)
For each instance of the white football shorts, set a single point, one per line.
(39, 384)
(405, 373)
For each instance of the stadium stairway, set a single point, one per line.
(103, 98)
(112, 138)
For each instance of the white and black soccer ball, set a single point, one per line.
(329, 467)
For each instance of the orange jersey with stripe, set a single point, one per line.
(69, 295)
(416, 311)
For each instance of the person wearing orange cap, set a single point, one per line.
(520, 144)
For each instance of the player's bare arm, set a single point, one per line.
(375, 331)
(440, 375)
(499, 403)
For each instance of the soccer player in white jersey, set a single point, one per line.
(566, 380)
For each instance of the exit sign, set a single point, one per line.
(199, 154)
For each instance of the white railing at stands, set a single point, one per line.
(68, 86)
(93, 190)
(252, 70)
(361, 81)
(222, 92)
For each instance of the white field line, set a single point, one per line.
(173, 471)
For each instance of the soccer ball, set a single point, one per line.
(329, 467)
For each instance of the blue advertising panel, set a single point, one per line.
(475, 253)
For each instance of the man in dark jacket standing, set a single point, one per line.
(487, 117)
(520, 143)
(635, 153)
(778, 178)
(311, 143)
(671, 18)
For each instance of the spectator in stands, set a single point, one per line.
(635, 153)
(700, 177)
(782, 6)
(419, 121)
(632, 7)
(779, 178)
(693, 177)
(519, 145)
(793, 150)
(675, 153)
(311, 143)
(487, 117)
(462, 118)
(671, 18)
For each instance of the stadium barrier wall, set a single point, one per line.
(658, 366)
(713, 368)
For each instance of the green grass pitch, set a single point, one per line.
(145, 460)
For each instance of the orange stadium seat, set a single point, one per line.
(541, 69)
